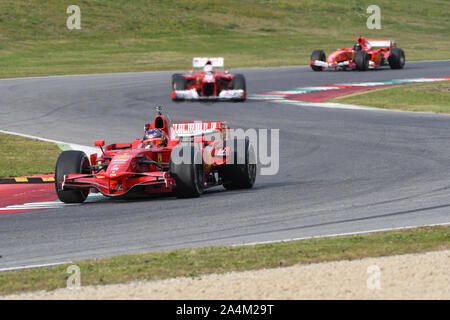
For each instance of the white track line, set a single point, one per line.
(38, 205)
(34, 266)
(331, 105)
(342, 234)
(48, 204)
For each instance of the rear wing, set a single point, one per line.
(200, 129)
(382, 43)
(200, 62)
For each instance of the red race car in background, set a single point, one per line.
(365, 54)
(185, 158)
(208, 81)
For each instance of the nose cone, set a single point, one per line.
(209, 78)
(336, 56)
(120, 163)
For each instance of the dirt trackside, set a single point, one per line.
(412, 276)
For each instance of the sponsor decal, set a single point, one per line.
(199, 62)
(194, 127)
(222, 152)
(119, 161)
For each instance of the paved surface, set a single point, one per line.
(341, 170)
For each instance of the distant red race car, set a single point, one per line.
(185, 158)
(364, 55)
(208, 82)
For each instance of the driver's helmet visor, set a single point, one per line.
(154, 142)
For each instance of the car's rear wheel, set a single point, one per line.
(238, 83)
(318, 55)
(71, 162)
(188, 174)
(397, 58)
(242, 172)
(362, 60)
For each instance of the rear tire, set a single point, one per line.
(318, 55)
(397, 58)
(71, 162)
(189, 177)
(238, 83)
(362, 60)
(242, 173)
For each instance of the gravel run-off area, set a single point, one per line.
(412, 276)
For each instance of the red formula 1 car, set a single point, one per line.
(205, 82)
(364, 55)
(182, 157)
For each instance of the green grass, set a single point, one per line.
(430, 97)
(23, 157)
(196, 262)
(141, 35)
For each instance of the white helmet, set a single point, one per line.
(208, 67)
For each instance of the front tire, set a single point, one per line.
(239, 83)
(318, 55)
(172, 82)
(397, 58)
(71, 162)
(188, 175)
(362, 60)
(178, 83)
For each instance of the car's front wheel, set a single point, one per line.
(318, 55)
(178, 83)
(71, 162)
(238, 83)
(362, 60)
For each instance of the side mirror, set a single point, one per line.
(99, 143)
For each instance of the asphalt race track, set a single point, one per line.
(340, 170)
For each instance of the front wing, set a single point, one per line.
(337, 65)
(193, 95)
(120, 184)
